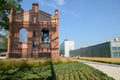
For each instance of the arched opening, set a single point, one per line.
(23, 35)
(45, 35)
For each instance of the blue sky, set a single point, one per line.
(84, 21)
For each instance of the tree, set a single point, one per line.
(5, 39)
(5, 6)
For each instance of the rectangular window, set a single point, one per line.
(119, 54)
(34, 34)
(115, 54)
(118, 48)
(34, 44)
(114, 48)
(34, 19)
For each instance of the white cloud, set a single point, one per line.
(70, 12)
(60, 2)
(42, 2)
(56, 7)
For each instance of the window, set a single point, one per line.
(114, 48)
(34, 44)
(45, 35)
(118, 48)
(34, 20)
(34, 34)
(23, 35)
(115, 54)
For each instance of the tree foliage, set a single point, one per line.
(5, 6)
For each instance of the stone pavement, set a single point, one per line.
(2, 57)
(111, 70)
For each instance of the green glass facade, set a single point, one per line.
(109, 49)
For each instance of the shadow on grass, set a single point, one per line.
(26, 71)
(53, 74)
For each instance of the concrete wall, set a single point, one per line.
(65, 48)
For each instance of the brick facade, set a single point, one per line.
(42, 34)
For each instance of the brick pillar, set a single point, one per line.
(55, 38)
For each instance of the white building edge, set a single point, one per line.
(65, 48)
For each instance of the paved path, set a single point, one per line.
(110, 69)
(2, 57)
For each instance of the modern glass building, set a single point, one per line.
(109, 49)
(66, 47)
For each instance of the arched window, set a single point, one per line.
(23, 35)
(45, 35)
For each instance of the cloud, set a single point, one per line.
(56, 7)
(70, 12)
(42, 2)
(60, 2)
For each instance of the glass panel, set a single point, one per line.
(118, 48)
(34, 19)
(114, 48)
(45, 35)
(34, 34)
(34, 44)
(23, 35)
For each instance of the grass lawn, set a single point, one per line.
(104, 60)
(45, 69)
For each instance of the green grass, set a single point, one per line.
(37, 69)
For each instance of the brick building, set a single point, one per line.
(33, 34)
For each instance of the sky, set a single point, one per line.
(86, 22)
